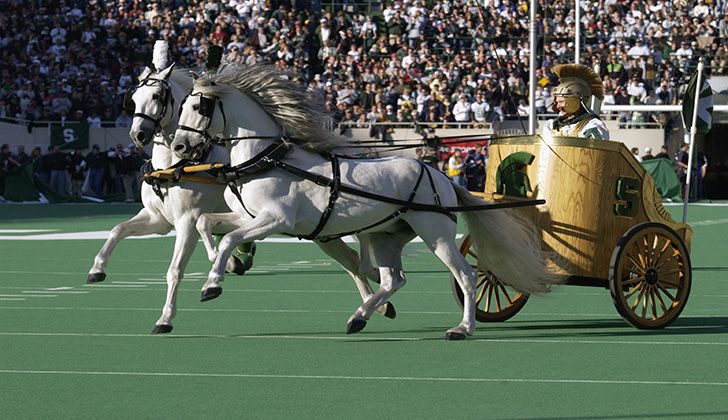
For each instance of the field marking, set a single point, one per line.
(709, 222)
(360, 338)
(113, 285)
(67, 292)
(28, 296)
(27, 230)
(367, 378)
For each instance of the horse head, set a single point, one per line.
(151, 104)
(201, 118)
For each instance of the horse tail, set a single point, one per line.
(509, 246)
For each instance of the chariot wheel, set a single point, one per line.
(494, 302)
(650, 276)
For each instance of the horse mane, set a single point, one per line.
(182, 77)
(299, 111)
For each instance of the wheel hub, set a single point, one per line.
(651, 276)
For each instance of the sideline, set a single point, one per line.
(364, 378)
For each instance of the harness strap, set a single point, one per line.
(446, 210)
(394, 215)
(257, 164)
(333, 196)
(147, 169)
(234, 188)
(326, 182)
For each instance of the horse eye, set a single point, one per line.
(196, 107)
(155, 96)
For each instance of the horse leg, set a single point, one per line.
(264, 224)
(466, 277)
(223, 222)
(437, 232)
(366, 268)
(184, 245)
(141, 224)
(388, 253)
(349, 260)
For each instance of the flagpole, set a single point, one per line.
(533, 33)
(693, 132)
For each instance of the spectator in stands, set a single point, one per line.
(58, 165)
(648, 154)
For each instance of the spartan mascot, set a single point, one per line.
(577, 84)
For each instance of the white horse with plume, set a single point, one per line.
(169, 205)
(278, 146)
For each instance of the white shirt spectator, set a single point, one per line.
(638, 50)
(94, 121)
(480, 110)
(701, 10)
(637, 89)
(461, 110)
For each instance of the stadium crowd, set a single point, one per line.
(436, 61)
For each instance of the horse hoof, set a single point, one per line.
(355, 325)
(389, 312)
(162, 329)
(95, 278)
(452, 336)
(210, 293)
(238, 267)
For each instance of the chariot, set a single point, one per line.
(602, 220)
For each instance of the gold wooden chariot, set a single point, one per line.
(604, 221)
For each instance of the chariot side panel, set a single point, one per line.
(595, 191)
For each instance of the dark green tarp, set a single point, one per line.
(665, 178)
(22, 185)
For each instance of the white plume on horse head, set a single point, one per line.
(159, 56)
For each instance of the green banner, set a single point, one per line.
(70, 135)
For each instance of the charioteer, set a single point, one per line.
(577, 84)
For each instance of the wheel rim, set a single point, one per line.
(494, 301)
(651, 276)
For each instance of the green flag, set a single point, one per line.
(705, 105)
(70, 135)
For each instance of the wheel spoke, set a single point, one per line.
(664, 253)
(638, 264)
(483, 279)
(669, 283)
(635, 280)
(497, 298)
(653, 304)
(659, 299)
(666, 292)
(472, 253)
(631, 271)
(487, 290)
(633, 290)
(480, 296)
(642, 251)
(504, 291)
(639, 298)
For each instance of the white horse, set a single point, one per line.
(302, 192)
(179, 205)
(169, 205)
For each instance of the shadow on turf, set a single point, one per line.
(710, 268)
(605, 328)
(717, 414)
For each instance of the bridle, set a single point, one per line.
(207, 110)
(165, 98)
